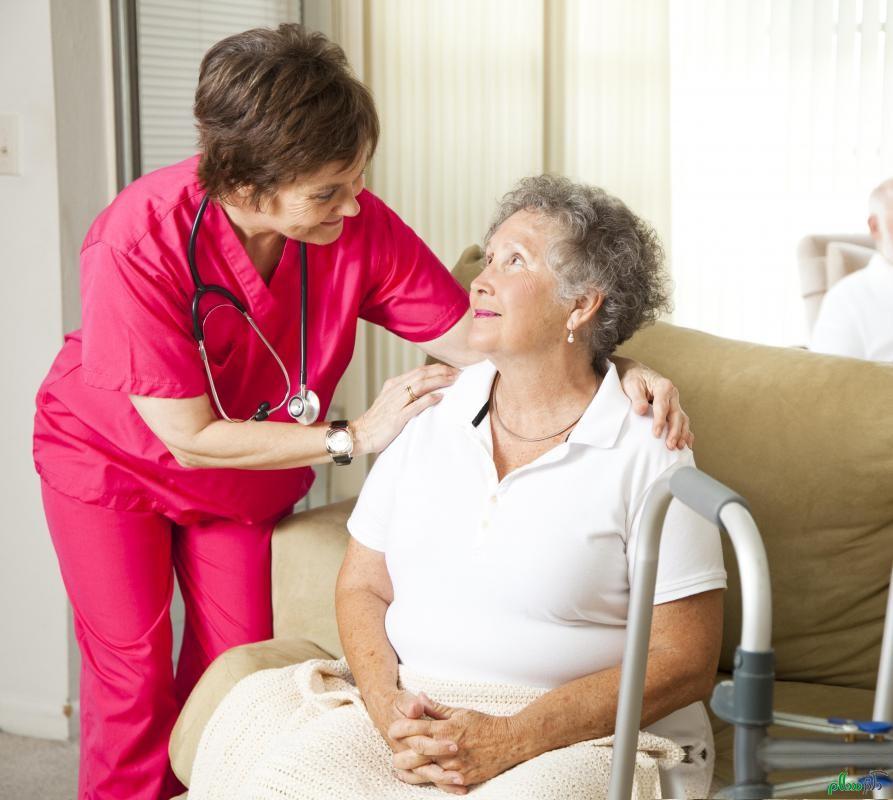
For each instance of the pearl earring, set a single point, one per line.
(570, 337)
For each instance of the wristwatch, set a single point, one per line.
(339, 442)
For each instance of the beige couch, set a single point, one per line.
(807, 439)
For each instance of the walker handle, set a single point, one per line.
(703, 494)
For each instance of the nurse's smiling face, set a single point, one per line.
(311, 209)
(515, 304)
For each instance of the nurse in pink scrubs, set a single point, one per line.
(145, 471)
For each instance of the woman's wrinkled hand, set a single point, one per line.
(395, 406)
(399, 704)
(485, 745)
(644, 387)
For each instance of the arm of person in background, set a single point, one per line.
(196, 437)
(363, 593)
(643, 386)
(683, 655)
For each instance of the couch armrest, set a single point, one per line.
(225, 671)
(308, 549)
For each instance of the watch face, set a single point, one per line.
(339, 441)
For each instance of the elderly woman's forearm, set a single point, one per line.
(372, 659)
(586, 708)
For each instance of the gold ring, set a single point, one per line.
(412, 394)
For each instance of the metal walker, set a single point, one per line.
(746, 700)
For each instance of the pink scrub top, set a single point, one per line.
(136, 338)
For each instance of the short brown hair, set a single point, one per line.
(274, 105)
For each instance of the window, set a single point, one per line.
(160, 44)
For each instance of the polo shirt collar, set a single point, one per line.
(599, 426)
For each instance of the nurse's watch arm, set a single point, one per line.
(195, 436)
(642, 385)
(452, 347)
(683, 656)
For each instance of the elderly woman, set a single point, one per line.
(225, 288)
(483, 598)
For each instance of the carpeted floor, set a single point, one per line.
(37, 769)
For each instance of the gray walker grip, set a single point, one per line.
(702, 493)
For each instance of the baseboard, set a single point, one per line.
(74, 722)
(33, 718)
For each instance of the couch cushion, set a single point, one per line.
(808, 440)
(307, 552)
(225, 671)
(797, 698)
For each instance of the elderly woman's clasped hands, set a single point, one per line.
(452, 748)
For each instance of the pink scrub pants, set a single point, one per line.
(118, 568)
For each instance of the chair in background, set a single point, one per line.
(823, 260)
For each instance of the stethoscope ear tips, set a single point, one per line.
(263, 411)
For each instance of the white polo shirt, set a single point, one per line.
(526, 580)
(856, 317)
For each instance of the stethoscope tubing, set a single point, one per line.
(308, 402)
(303, 373)
(201, 289)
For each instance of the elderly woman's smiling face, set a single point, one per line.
(515, 304)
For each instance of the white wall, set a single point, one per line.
(34, 623)
(43, 214)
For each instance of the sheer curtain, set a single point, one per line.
(781, 122)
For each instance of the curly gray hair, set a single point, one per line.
(601, 246)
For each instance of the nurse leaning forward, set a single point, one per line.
(144, 470)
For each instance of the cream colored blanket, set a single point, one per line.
(303, 732)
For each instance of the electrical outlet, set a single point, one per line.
(9, 144)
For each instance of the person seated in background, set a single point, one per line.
(856, 317)
(483, 598)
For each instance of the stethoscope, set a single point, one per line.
(302, 407)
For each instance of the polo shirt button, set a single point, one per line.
(493, 498)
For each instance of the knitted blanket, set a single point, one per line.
(303, 732)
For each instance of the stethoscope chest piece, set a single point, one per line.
(304, 407)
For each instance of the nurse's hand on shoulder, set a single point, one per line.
(401, 398)
(647, 388)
